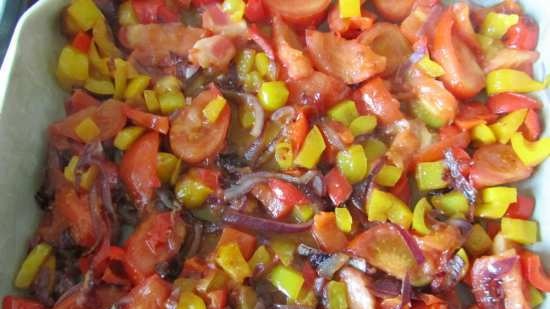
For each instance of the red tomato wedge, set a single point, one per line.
(108, 117)
(82, 42)
(435, 151)
(75, 210)
(522, 209)
(278, 197)
(497, 164)
(472, 114)
(534, 271)
(359, 64)
(156, 239)
(14, 302)
(393, 10)
(80, 100)
(151, 294)
(298, 131)
(138, 169)
(290, 50)
(318, 90)
(327, 234)
(508, 102)
(349, 27)
(154, 122)
(255, 11)
(298, 13)
(523, 35)
(338, 187)
(192, 137)
(464, 27)
(463, 77)
(373, 97)
(531, 127)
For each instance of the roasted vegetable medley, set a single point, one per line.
(290, 154)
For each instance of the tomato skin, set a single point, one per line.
(472, 114)
(279, 197)
(160, 124)
(327, 234)
(435, 151)
(298, 13)
(192, 138)
(373, 97)
(151, 294)
(290, 51)
(534, 271)
(76, 211)
(80, 100)
(14, 302)
(146, 10)
(338, 187)
(531, 127)
(138, 169)
(394, 10)
(298, 131)
(497, 164)
(523, 35)
(318, 90)
(156, 239)
(402, 189)
(522, 209)
(255, 11)
(463, 77)
(507, 102)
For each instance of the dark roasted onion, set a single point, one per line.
(261, 224)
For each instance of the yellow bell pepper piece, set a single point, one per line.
(72, 68)
(273, 95)
(349, 8)
(482, 134)
(352, 162)
(99, 64)
(431, 176)
(190, 300)
(535, 297)
(311, 150)
(191, 193)
(388, 176)
(344, 112)
(506, 126)
(98, 86)
(284, 155)
(31, 265)
(452, 204)
(231, 260)
(430, 67)
(419, 217)
(151, 101)
(166, 164)
(509, 80)
(171, 101)
(284, 249)
(337, 295)
(374, 149)
(303, 212)
(495, 25)
(521, 231)
(215, 280)
(186, 284)
(478, 241)
(127, 137)
(306, 298)
(84, 13)
(261, 63)
(126, 14)
(530, 153)
(382, 206)
(103, 37)
(363, 125)
(213, 109)
(235, 9)
(177, 172)
(87, 130)
(495, 202)
(344, 221)
(245, 62)
(136, 86)
(286, 280)
(70, 169)
(120, 75)
(87, 179)
(168, 83)
(260, 257)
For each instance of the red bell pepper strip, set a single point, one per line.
(338, 187)
(508, 102)
(255, 11)
(523, 35)
(531, 127)
(14, 302)
(287, 193)
(298, 131)
(82, 42)
(522, 209)
(402, 189)
(534, 272)
(154, 122)
(473, 114)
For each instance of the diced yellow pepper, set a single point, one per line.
(171, 101)
(213, 109)
(252, 82)
(126, 14)
(352, 163)
(363, 125)
(70, 169)
(120, 76)
(482, 134)
(151, 101)
(245, 297)
(306, 298)
(284, 249)
(98, 86)
(303, 212)
(382, 206)
(509, 80)
(87, 130)
(101, 65)
(86, 179)
(168, 83)
(234, 8)
(374, 149)
(419, 217)
(215, 280)
(286, 280)
(311, 150)
(535, 297)
(127, 137)
(190, 300)
(176, 173)
(284, 155)
(103, 37)
(337, 295)
(521, 231)
(349, 8)
(136, 86)
(261, 62)
(485, 42)
(31, 265)
(84, 13)
(191, 193)
(72, 68)
(506, 126)
(260, 257)
(245, 62)
(344, 221)
(452, 204)
(231, 260)
(431, 176)
(344, 112)
(186, 284)
(430, 67)
(501, 195)
(478, 241)
(388, 175)
(273, 95)
(495, 25)
(166, 164)
(530, 153)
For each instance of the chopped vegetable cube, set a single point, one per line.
(482, 134)
(506, 126)
(344, 220)
(231, 260)
(389, 175)
(84, 13)
(235, 9)
(151, 101)
(284, 249)
(337, 295)
(521, 231)
(261, 63)
(344, 112)
(87, 130)
(495, 25)
(312, 149)
(31, 265)
(452, 204)
(127, 137)
(260, 257)
(190, 300)
(171, 101)
(419, 217)
(166, 165)
(136, 86)
(352, 163)
(530, 153)
(478, 242)
(430, 67)
(99, 86)
(72, 67)
(287, 280)
(273, 95)
(431, 176)
(214, 108)
(349, 8)
(363, 125)
(382, 206)
(191, 193)
(284, 155)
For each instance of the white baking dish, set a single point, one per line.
(30, 99)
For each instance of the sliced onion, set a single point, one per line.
(362, 265)
(459, 182)
(501, 267)
(411, 244)
(361, 190)
(387, 287)
(332, 264)
(406, 292)
(318, 185)
(332, 136)
(450, 276)
(232, 217)
(252, 102)
(462, 225)
(284, 114)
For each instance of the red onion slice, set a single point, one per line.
(459, 182)
(406, 292)
(252, 102)
(284, 114)
(332, 136)
(261, 224)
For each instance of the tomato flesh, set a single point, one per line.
(497, 164)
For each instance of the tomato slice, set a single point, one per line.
(151, 294)
(108, 117)
(80, 100)
(156, 239)
(523, 35)
(360, 63)
(290, 50)
(76, 211)
(138, 169)
(318, 90)
(278, 197)
(192, 137)
(255, 11)
(14, 302)
(394, 10)
(463, 77)
(435, 151)
(298, 13)
(464, 27)
(373, 97)
(508, 102)
(472, 114)
(160, 124)
(534, 271)
(497, 164)
(338, 187)
(327, 234)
